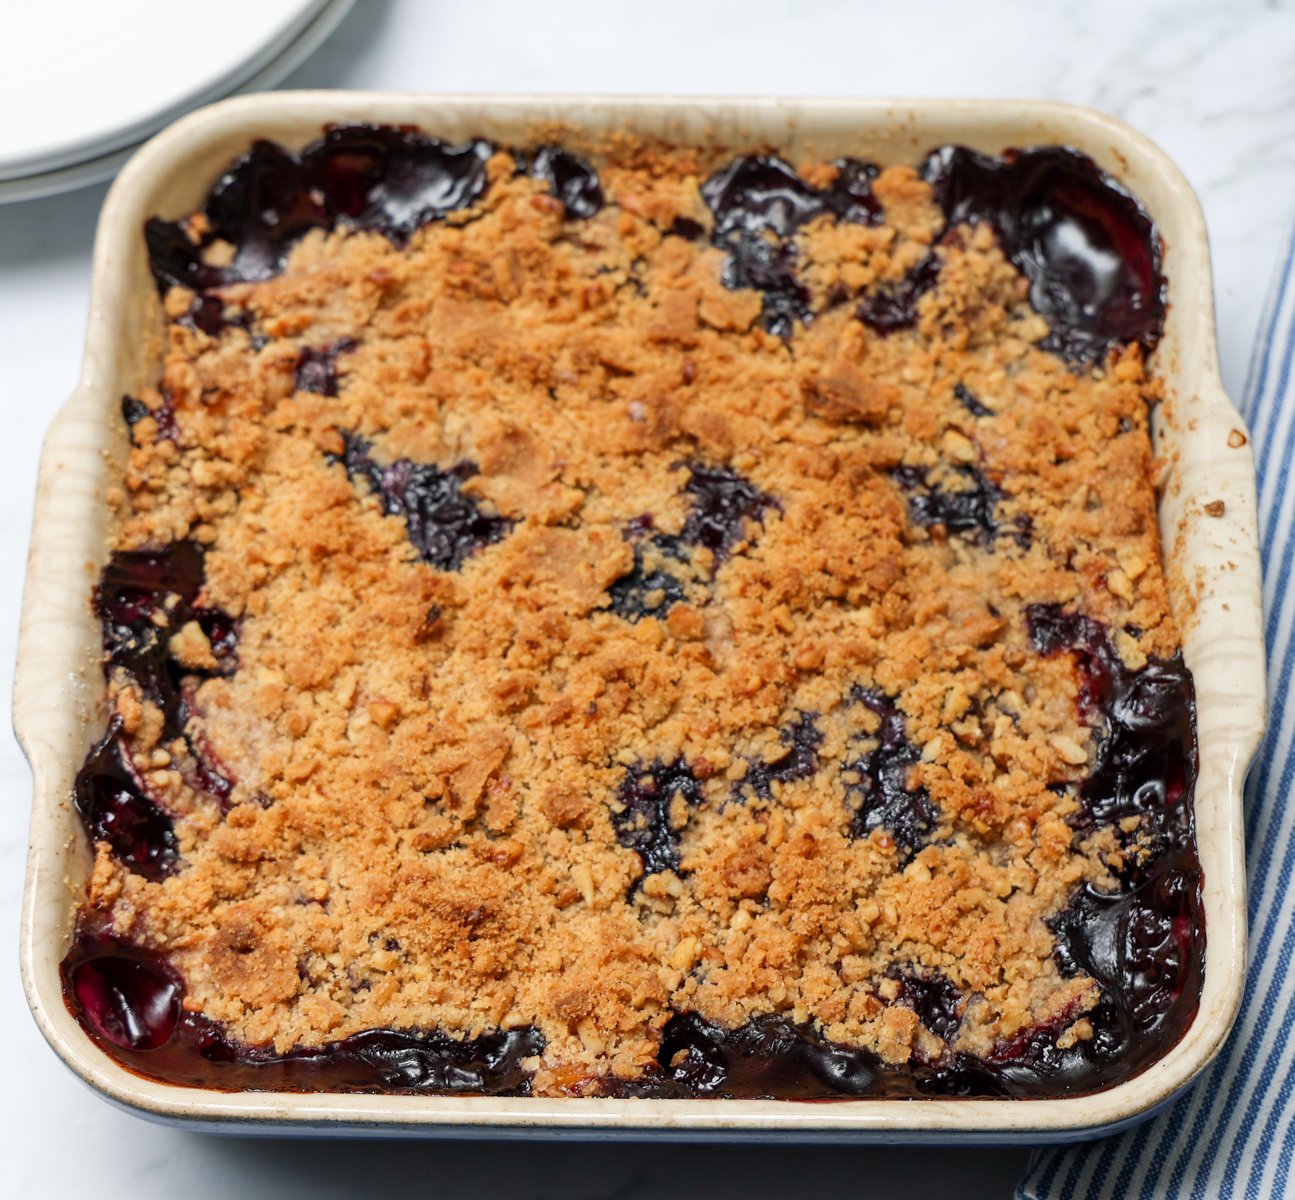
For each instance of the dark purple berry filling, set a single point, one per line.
(759, 202)
(970, 511)
(877, 790)
(316, 369)
(1145, 756)
(209, 314)
(376, 178)
(849, 197)
(445, 526)
(724, 502)
(394, 180)
(937, 1003)
(762, 193)
(1142, 942)
(686, 228)
(222, 632)
(115, 807)
(261, 205)
(724, 505)
(799, 761)
(971, 402)
(893, 306)
(642, 593)
(767, 1056)
(1137, 944)
(1089, 250)
(571, 180)
(126, 996)
(641, 818)
(134, 411)
(768, 267)
(204, 772)
(144, 597)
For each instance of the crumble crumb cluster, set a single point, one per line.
(685, 592)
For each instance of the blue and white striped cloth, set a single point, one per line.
(1233, 1134)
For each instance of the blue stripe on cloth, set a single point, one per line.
(1234, 1133)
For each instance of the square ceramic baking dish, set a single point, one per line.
(1207, 517)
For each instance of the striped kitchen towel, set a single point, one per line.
(1233, 1133)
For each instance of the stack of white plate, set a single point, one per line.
(84, 82)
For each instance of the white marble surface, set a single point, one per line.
(1213, 82)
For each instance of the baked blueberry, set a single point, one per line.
(971, 402)
(378, 178)
(115, 806)
(877, 788)
(642, 593)
(890, 307)
(316, 369)
(969, 510)
(143, 598)
(766, 1056)
(645, 816)
(393, 180)
(938, 1004)
(724, 505)
(446, 526)
(571, 179)
(759, 202)
(798, 761)
(128, 996)
(1089, 250)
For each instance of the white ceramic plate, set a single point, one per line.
(88, 101)
(1212, 567)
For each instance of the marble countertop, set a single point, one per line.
(1209, 80)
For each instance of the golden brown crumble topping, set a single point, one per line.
(427, 827)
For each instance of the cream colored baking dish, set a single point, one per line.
(1213, 568)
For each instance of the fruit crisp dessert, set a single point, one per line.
(692, 625)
